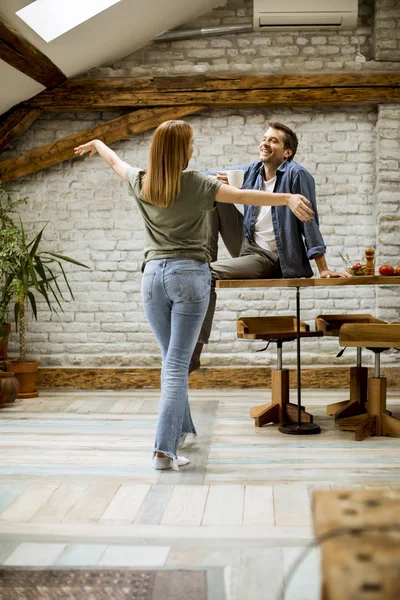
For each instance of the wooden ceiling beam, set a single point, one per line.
(159, 99)
(286, 80)
(15, 122)
(221, 91)
(227, 98)
(109, 132)
(18, 52)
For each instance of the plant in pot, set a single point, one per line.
(10, 246)
(9, 385)
(33, 271)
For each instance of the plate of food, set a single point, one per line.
(353, 268)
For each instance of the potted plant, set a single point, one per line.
(10, 246)
(9, 385)
(33, 271)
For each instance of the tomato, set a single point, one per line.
(357, 266)
(386, 270)
(397, 270)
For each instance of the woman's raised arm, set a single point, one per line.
(298, 204)
(110, 157)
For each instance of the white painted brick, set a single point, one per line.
(318, 41)
(68, 337)
(71, 327)
(122, 327)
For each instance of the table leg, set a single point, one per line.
(299, 428)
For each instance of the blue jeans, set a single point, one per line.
(175, 295)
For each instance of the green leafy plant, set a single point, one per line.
(8, 207)
(32, 271)
(10, 247)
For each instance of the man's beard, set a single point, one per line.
(269, 160)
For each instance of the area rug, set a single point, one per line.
(102, 584)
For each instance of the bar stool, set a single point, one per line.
(330, 326)
(279, 330)
(377, 337)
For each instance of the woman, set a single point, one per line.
(176, 278)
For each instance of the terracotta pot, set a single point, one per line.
(5, 329)
(9, 387)
(25, 372)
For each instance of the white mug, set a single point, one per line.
(235, 177)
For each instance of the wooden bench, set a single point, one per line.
(330, 326)
(364, 564)
(279, 330)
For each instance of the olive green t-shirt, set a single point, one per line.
(179, 230)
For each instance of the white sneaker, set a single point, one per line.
(182, 440)
(187, 440)
(160, 463)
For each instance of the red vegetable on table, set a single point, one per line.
(386, 270)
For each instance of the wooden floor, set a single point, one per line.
(77, 487)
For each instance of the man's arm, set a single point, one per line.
(303, 183)
(110, 157)
(324, 271)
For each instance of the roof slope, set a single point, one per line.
(113, 34)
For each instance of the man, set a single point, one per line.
(269, 242)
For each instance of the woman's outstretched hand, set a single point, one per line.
(301, 207)
(85, 148)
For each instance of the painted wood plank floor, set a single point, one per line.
(77, 487)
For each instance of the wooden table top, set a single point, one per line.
(308, 282)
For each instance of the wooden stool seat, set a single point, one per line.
(278, 329)
(376, 337)
(364, 563)
(272, 328)
(330, 326)
(373, 335)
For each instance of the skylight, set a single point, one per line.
(52, 18)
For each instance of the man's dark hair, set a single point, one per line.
(289, 139)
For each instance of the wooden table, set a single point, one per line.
(360, 555)
(300, 428)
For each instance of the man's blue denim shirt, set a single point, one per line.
(297, 242)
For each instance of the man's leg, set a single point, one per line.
(250, 266)
(226, 220)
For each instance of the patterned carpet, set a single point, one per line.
(102, 584)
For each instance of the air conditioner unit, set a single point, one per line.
(273, 15)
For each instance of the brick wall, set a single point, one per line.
(272, 52)
(387, 205)
(352, 152)
(387, 31)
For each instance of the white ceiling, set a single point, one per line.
(104, 39)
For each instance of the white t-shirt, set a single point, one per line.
(264, 229)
